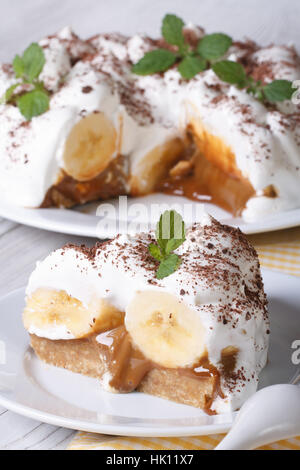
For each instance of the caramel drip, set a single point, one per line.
(228, 360)
(68, 192)
(128, 366)
(210, 371)
(208, 183)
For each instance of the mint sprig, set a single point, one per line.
(27, 68)
(190, 62)
(208, 53)
(234, 73)
(169, 234)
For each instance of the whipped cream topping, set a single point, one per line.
(94, 75)
(219, 278)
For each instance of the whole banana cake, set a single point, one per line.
(192, 114)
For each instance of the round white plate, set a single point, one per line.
(143, 212)
(62, 398)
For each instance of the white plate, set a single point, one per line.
(59, 397)
(83, 220)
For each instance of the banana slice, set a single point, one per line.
(90, 147)
(165, 330)
(154, 166)
(48, 310)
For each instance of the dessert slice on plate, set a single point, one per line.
(182, 317)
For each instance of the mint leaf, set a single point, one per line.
(172, 30)
(155, 251)
(9, 93)
(230, 72)
(28, 68)
(33, 104)
(278, 90)
(168, 266)
(173, 244)
(18, 66)
(170, 226)
(34, 61)
(155, 61)
(214, 46)
(190, 66)
(170, 234)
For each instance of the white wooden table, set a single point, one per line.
(23, 22)
(20, 247)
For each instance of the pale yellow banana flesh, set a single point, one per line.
(165, 330)
(47, 308)
(154, 166)
(90, 147)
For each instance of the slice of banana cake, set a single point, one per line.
(183, 318)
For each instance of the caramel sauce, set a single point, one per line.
(128, 366)
(270, 191)
(201, 169)
(68, 192)
(208, 183)
(207, 172)
(228, 360)
(210, 371)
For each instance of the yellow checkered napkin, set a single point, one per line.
(277, 250)
(88, 441)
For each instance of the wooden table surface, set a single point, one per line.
(23, 22)
(20, 248)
